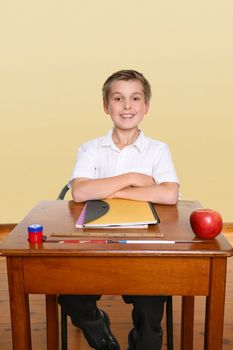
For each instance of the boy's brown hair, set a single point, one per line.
(126, 75)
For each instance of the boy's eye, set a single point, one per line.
(117, 98)
(136, 98)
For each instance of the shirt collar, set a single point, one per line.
(108, 142)
(140, 141)
(107, 139)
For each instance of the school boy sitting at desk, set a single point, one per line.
(123, 164)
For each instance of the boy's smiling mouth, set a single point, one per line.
(127, 115)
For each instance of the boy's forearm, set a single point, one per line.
(87, 189)
(165, 193)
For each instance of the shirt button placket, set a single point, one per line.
(122, 161)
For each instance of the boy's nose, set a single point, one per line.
(127, 104)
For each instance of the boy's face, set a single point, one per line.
(126, 104)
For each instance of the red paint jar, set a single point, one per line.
(35, 233)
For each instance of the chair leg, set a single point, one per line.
(169, 317)
(63, 330)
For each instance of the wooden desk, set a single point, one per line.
(185, 269)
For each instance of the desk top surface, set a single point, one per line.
(59, 217)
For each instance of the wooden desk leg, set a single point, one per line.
(215, 303)
(187, 322)
(19, 305)
(52, 322)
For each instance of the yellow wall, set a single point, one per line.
(54, 57)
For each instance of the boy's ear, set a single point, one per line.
(147, 106)
(105, 108)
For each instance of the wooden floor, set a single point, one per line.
(119, 313)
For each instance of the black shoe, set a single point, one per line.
(108, 342)
(97, 331)
(95, 323)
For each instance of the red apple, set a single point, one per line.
(206, 223)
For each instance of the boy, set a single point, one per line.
(123, 164)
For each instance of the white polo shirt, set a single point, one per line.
(100, 158)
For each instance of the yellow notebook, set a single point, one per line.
(117, 213)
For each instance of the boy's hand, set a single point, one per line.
(141, 180)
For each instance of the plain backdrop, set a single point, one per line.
(54, 58)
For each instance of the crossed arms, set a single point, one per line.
(131, 185)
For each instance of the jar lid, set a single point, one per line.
(35, 228)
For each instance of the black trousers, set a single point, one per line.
(147, 314)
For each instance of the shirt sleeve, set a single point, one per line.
(85, 163)
(164, 170)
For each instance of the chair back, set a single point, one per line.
(63, 192)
